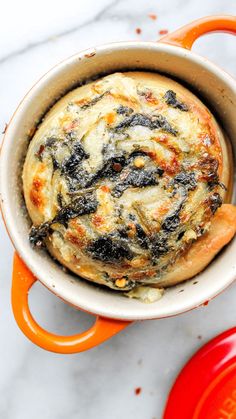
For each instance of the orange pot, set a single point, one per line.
(170, 55)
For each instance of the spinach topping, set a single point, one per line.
(180, 235)
(77, 155)
(171, 100)
(215, 202)
(93, 101)
(55, 163)
(38, 234)
(111, 167)
(141, 236)
(171, 222)
(186, 179)
(138, 178)
(154, 122)
(77, 152)
(159, 245)
(85, 204)
(79, 179)
(60, 199)
(83, 179)
(51, 141)
(122, 232)
(124, 110)
(109, 249)
(116, 163)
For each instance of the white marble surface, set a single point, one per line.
(100, 383)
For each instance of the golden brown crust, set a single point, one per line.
(123, 175)
(201, 253)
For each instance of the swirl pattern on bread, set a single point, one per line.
(122, 176)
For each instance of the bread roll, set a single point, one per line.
(122, 176)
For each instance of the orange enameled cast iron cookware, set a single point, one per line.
(170, 55)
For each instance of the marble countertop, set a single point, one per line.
(100, 383)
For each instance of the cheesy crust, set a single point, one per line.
(122, 176)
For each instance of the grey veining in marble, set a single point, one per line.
(100, 383)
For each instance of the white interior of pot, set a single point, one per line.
(219, 91)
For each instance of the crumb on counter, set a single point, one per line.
(138, 31)
(152, 16)
(137, 391)
(163, 31)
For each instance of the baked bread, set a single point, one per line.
(122, 176)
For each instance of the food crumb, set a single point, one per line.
(139, 162)
(199, 337)
(91, 54)
(121, 282)
(105, 188)
(138, 31)
(152, 16)
(163, 31)
(138, 390)
(5, 128)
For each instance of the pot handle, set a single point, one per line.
(22, 281)
(188, 34)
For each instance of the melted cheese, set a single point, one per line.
(144, 213)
